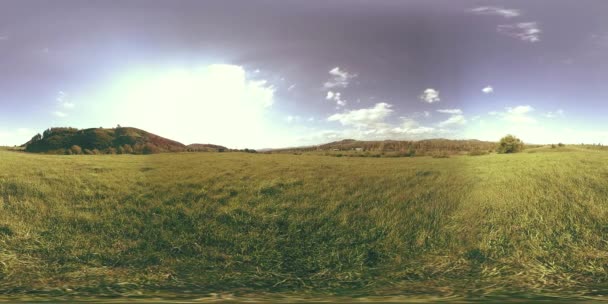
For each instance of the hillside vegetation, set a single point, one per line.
(238, 223)
(392, 148)
(205, 148)
(101, 141)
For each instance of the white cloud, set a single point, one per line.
(450, 111)
(554, 114)
(496, 11)
(411, 127)
(291, 118)
(3, 38)
(363, 117)
(337, 97)
(430, 95)
(60, 114)
(488, 90)
(457, 119)
(339, 78)
(291, 87)
(62, 99)
(520, 110)
(518, 114)
(525, 31)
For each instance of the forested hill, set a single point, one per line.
(101, 141)
(419, 147)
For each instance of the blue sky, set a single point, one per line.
(263, 74)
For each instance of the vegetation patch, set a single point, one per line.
(215, 222)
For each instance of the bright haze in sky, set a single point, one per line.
(265, 74)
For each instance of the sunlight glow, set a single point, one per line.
(213, 104)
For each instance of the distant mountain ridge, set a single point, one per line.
(418, 147)
(122, 140)
(205, 148)
(128, 140)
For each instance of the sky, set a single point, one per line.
(269, 74)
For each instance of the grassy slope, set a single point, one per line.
(227, 221)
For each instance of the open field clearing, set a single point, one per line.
(246, 224)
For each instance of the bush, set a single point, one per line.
(76, 149)
(441, 155)
(510, 144)
(150, 149)
(127, 149)
(477, 153)
(560, 145)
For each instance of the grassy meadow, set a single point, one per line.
(198, 223)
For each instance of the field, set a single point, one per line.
(195, 224)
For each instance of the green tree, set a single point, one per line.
(510, 144)
(127, 149)
(150, 149)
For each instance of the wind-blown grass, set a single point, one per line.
(237, 222)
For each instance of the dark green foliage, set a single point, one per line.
(101, 141)
(149, 148)
(510, 144)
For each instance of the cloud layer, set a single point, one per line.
(525, 31)
(496, 11)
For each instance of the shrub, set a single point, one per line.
(477, 153)
(76, 149)
(560, 145)
(88, 152)
(127, 149)
(441, 155)
(510, 144)
(150, 149)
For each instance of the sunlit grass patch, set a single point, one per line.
(223, 222)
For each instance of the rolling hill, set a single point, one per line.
(101, 141)
(420, 147)
(205, 148)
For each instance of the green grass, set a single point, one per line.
(527, 223)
